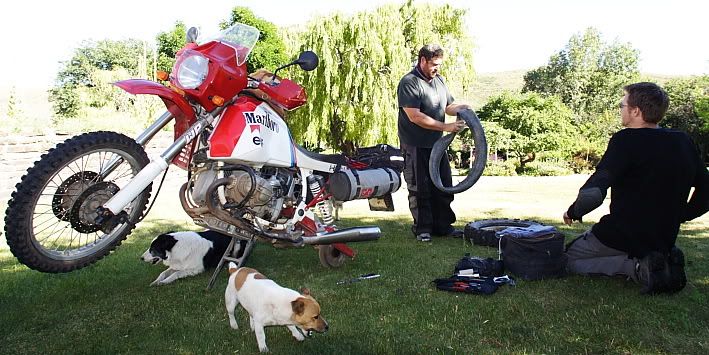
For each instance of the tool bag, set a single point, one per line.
(482, 267)
(476, 285)
(534, 252)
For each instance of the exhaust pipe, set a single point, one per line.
(355, 234)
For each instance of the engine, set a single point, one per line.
(267, 199)
(274, 189)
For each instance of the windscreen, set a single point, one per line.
(238, 36)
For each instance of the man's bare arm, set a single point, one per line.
(424, 121)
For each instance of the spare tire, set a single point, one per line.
(484, 232)
(441, 145)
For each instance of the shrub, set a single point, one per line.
(586, 160)
(500, 168)
(545, 168)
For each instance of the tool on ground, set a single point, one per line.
(358, 279)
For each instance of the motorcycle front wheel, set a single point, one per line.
(49, 222)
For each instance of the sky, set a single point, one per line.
(509, 34)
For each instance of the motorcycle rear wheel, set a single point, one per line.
(49, 222)
(330, 257)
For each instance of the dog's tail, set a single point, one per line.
(232, 267)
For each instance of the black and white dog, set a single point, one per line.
(188, 253)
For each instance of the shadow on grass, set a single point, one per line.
(109, 308)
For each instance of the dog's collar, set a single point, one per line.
(305, 333)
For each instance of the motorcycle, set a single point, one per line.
(247, 178)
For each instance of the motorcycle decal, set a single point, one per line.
(262, 119)
(227, 133)
(250, 131)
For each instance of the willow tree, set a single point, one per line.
(352, 94)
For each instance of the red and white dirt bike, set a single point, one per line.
(247, 178)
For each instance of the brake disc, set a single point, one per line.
(68, 192)
(83, 212)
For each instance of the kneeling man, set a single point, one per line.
(650, 171)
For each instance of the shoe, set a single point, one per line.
(424, 237)
(652, 273)
(678, 279)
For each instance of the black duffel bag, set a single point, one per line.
(378, 156)
(534, 258)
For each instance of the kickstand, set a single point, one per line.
(229, 256)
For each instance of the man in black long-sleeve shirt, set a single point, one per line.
(650, 171)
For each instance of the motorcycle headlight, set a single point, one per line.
(192, 71)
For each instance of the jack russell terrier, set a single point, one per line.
(267, 304)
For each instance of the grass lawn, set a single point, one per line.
(109, 308)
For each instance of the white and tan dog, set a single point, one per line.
(267, 304)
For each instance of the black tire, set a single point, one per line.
(63, 178)
(484, 232)
(441, 145)
(330, 257)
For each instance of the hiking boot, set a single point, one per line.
(423, 237)
(678, 279)
(652, 273)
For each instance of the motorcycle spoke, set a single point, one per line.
(124, 172)
(56, 194)
(59, 221)
(51, 181)
(70, 169)
(58, 238)
(83, 163)
(53, 233)
(71, 240)
(51, 218)
(101, 161)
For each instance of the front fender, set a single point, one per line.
(175, 103)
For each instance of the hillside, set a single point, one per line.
(491, 84)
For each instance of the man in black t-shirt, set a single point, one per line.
(424, 101)
(650, 171)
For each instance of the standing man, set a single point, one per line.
(650, 171)
(424, 101)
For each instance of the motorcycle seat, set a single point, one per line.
(339, 159)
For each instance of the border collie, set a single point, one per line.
(188, 253)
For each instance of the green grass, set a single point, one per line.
(109, 308)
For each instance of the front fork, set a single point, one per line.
(142, 139)
(157, 164)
